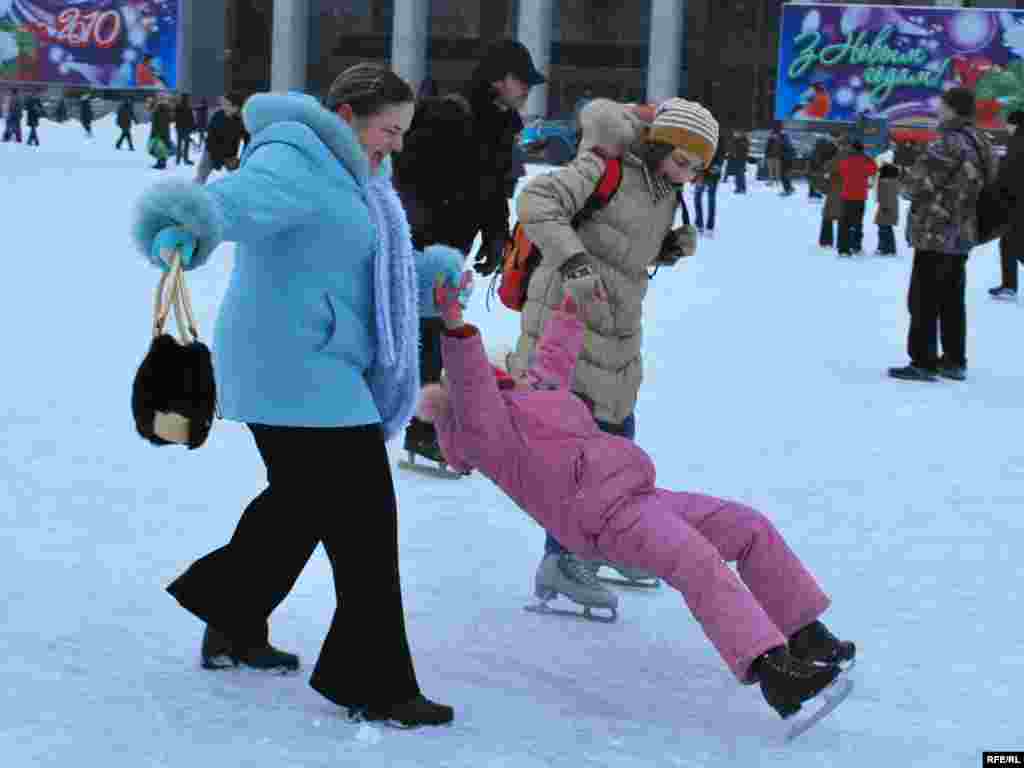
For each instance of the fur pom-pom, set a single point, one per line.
(177, 203)
(433, 403)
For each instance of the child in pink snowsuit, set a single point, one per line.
(596, 493)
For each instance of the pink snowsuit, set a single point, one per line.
(596, 494)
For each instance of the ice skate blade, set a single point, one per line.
(651, 585)
(830, 698)
(431, 471)
(586, 614)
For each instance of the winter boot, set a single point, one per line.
(816, 645)
(1003, 294)
(220, 653)
(565, 574)
(913, 373)
(787, 682)
(410, 714)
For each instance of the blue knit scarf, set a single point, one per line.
(394, 377)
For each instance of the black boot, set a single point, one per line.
(220, 653)
(417, 711)
(787, 682)
(423, 443)
(815, 644)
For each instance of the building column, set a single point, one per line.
(288, 49)
(534, 26)
(665, 49)
(410, 33)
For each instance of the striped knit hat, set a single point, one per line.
(685, 125)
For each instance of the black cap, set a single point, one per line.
(509, 57)
(961, 101)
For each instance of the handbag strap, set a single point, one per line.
(172, 292)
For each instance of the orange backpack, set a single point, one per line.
(521, 256)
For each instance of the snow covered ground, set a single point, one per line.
(764, 382)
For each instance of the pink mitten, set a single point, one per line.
(450, 299)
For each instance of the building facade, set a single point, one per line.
(720, 52)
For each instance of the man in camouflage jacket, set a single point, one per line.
(943, 186)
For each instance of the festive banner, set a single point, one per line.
(90, 43)
(840, 62)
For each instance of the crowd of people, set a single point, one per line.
(364, 348)
(219, 135)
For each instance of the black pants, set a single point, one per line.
(851, 226)
(787, 183)
(937, 300)
(1009, 255)
(126, 135)
(33, 137)
(431, 329)
(827, 237)
(886, 239)
(184, 142)
(365, 658)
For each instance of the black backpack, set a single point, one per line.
(996, 202)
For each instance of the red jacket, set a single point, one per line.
(856, 171)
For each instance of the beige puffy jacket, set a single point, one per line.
(620, 242)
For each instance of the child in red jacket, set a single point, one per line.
(856, 172)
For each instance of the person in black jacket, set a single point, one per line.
(13, 123)
(160, 132)
(739, 156)
(707, 181)
(125, 121)
(202, 120)
(34, 112)
(184, 123)
(1011, 178)
(85, 113)
(455, 175)
(225, 134)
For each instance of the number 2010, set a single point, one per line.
(99, 28)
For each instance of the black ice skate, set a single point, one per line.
(428, 449)
(787, 683)
(816, 645)
(219, 653)
(409, 714)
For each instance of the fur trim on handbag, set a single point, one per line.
(177, 203)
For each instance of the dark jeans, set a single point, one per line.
(1009, 258)
(13, 129)
(33, 137)
(826, 239)
(431, 329)
(365, 658)
(126, 135)
(851, 226)
(787, 183)
(886, 239)
(698, 202)
(184, 142)
(626, 429)
(937, 300)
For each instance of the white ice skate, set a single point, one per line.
(821, 706)
(565, 574)
(623, 575)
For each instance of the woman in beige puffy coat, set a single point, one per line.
(617, 244)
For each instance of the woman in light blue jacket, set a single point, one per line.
(316, 351)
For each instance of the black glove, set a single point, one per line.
(489, 257)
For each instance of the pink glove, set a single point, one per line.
(451, 299)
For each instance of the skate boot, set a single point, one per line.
(816, 645)
(565, 574)
(220, 653)
(425, 446)
(787, 682)
(627, 577)
(409, 714)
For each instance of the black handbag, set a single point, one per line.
(174, 395)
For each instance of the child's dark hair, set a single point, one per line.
(889, 171)
(369, 89)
